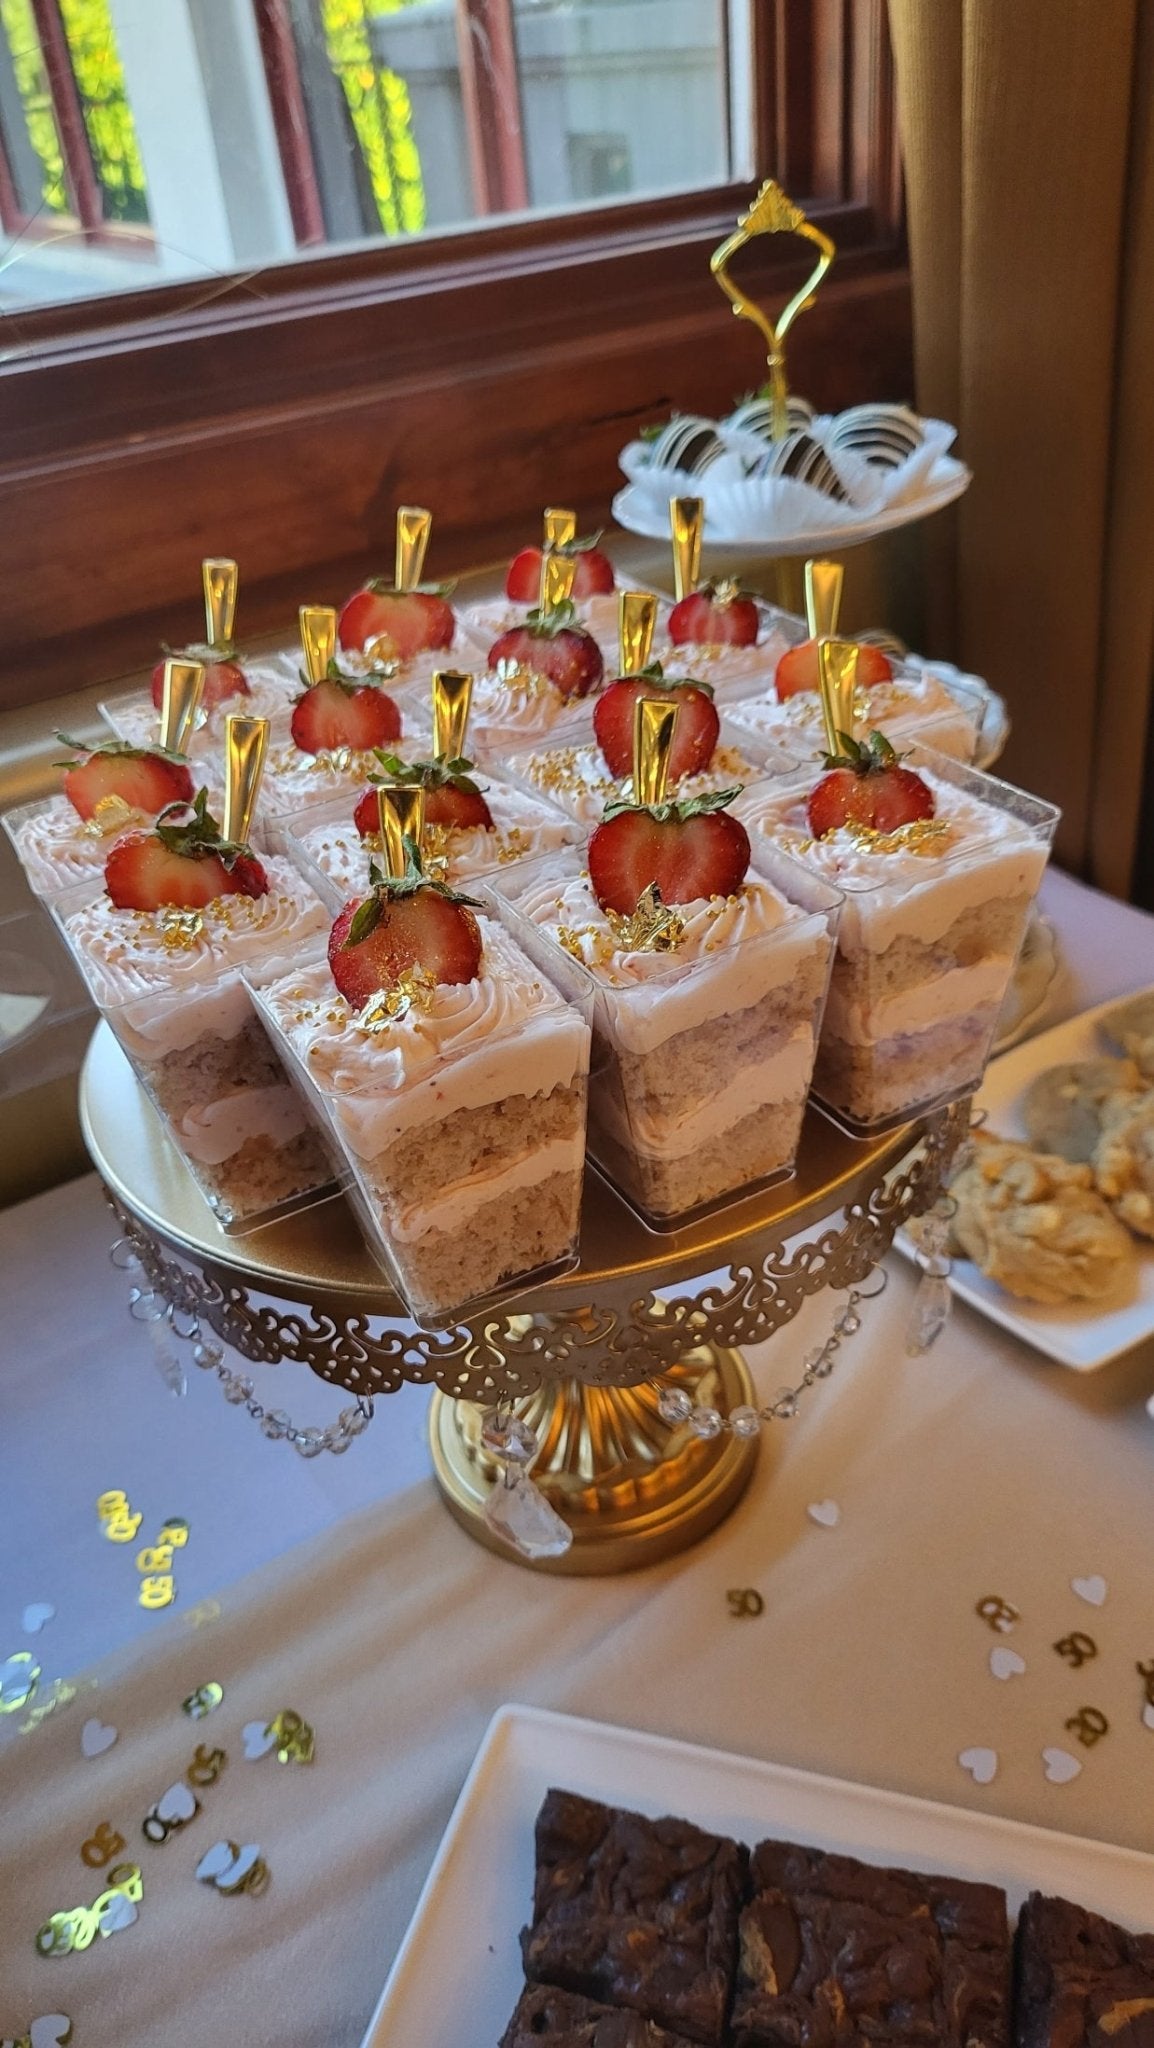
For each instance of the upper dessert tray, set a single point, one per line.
(774, 475)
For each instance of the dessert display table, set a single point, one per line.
(640, 1308)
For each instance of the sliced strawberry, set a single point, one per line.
(458, 810)
(402, 923)
(866, 785)
(406, 621)
(550, 645)
(715, 615)
(695, 734)
(799, 669)
(146, 778)
(186, 864)
(222, 679)
(690, 850)
(594, 571)
(334, 714)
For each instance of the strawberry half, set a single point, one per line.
(187, 864)
(407, 621)
(339, 712)
(403, 923)
(689, 850)
(695, 734)
(594, 571)
(146, 778)
(223, 677)
(714, 615)
(867, 786)
(550, 645)
(799, 669)
(452, 798)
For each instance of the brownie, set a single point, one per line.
(833, 1951)
(1081, 1980)
(636, 1913)
(566, 2020)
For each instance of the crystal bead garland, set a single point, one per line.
(930, 1236)
(679, 1409)
(168, 1319)
(516, 1509)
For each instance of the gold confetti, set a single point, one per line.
(997, 1614)
(745, 1600)
(19, 1678)
(203, 1701)
(113, 1910)
(1077, 1649)
(230, 1869)
(157, 1591)
(1090, 1725)
(206, 1766)
(172, 1811)
(651, 928)
(294, 1739)
(102, 1845)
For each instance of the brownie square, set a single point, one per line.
(636, 1913)
(563, 2019)
(832, 1951)
(1081, 1979)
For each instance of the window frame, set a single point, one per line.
(87, 219)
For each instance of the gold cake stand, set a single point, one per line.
(583, 1357)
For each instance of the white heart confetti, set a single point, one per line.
(97, 1736)
(216, 1861)
(1093, 1589)
(116, 1914)
(982, 1764)
(258, 1739)
(178, 1803)
(1006, 1663)
(50, 2031)
(32, 1621)
(1060, 1766)
(1148, 1715)
(826, 1513)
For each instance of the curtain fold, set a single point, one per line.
(1028, 139)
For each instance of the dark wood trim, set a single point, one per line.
(491, 95)
(75, 146)
(290, 120)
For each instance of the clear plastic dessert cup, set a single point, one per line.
(459, 1123)
(731, 671)
(169, 983)
(485, 621)
(913, 706)
(297, 785)
(573, 774)
(333, 858)
(933, 921)
(703, 1055)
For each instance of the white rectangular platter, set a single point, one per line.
(457, 1975)
(1082, 1337)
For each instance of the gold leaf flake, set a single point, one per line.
(651, 928)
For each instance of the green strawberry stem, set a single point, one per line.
(385, 888)
(678, 808)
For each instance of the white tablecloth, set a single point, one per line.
(979, 1470)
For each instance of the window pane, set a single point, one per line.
(242, 130)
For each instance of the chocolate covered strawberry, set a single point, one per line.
(594, 570)
(185, 864)
(404, 923)
(798, 669)
(223, 677)
(452, 799)
(397, 624)
(687, 850)
(867, 786)
(340, 712)
(714, 615)
(550, 644)
(145, 778)
(695, 734)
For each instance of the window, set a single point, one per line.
(70, 161)
(332, 317)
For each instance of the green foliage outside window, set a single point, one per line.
(381, 113)
(104, 104)
(19, 26)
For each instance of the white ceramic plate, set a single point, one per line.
(637, 512)
(458, 1974)
(1032, 984)
(1083, 1338)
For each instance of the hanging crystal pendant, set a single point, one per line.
(516, 1509)
(933, 1300)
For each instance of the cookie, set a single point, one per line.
(1037, 1225)
(1062, 1107)
(1123, 1160)
(1131, 1025)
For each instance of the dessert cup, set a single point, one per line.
(915, 705)
(703, 1056)
(457, 1122)
(486, 621)
(169, 983)
(514, 708)
(731, 671)
(333, 858)
(296, 783)
(59, 850)
(576, 777)
(273, 685)
(933, 919)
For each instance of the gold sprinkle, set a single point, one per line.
(513, 845)
(651, 928)
(180, 930)
(570, 936)
(414, 989)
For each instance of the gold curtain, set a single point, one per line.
(1028, 134)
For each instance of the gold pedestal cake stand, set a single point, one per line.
(583, 1358)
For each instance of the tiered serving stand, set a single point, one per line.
(584, 1358)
